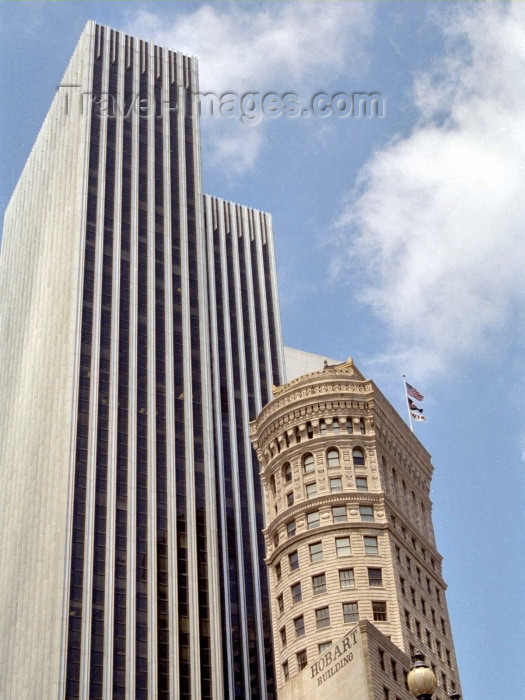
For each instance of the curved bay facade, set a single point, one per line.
(349, 537)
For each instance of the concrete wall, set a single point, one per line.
(39, 287)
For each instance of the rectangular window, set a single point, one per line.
(447, 652)
(319, 584)
(336, 485)
(379, 610)
(316, 551)
(407, 618)
(438, 648)
(361, 483)
(293, 558)
(342, 546)
(349, 426)
(290, 528)
(299, 626)
(381, 658)
(409, 564)
(322, 618)
(370, 545)
(429, 639)
(339, 514)
(443, 628)
(282, 632)
(324, 646)
(278, 571)
(289, 498)
(386, 694)
(375, 577)
(402, 584)
(394, 669)
(346, 578)
(302, 660)
(366, 513)
(312, 520)
(296, 593)
(423, 607)
(418, 629)
(413, 596)
(286, 671)
(280, 603)
(418, 574)
(311, 490)
(335, 426)
(350, 612)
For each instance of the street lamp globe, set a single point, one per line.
(421, 679)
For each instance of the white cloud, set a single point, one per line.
(436, 224)
(269, 47)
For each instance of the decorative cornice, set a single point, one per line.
(331, 499)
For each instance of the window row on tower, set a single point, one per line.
(328, 515)
(310, 429)
(342, 548)
(305, 474)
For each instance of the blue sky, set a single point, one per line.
(400, 240)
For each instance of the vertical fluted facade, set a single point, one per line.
(349, 534)
(140, 333)
(246, 362)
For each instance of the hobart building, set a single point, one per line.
(146, 552)
(355, 577)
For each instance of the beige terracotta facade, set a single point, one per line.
(349, 535)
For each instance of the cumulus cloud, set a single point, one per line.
(274, 47)
(436, 223)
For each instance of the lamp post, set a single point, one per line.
(421, 679)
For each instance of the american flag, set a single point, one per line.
(414, 393)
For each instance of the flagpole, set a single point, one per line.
(406, 401)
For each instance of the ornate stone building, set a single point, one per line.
(349, 541)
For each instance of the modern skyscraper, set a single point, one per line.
(355, 577)
(140, 333)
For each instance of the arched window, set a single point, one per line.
(287, 472)
(358, 457)
(332, 457)
(308, 463)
